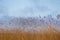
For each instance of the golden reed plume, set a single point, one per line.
(51, 34)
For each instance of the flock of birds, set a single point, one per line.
(29, 23)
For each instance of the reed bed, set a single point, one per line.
(51, 34)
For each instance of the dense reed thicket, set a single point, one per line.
(36, 28)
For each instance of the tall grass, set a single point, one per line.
(51, 34)
(46, 30)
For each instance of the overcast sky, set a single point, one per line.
(26, 8)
